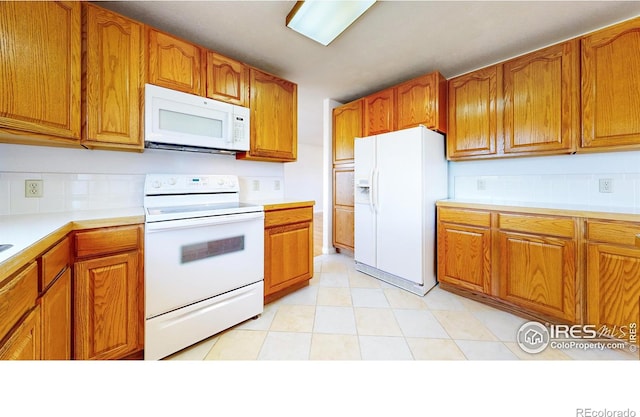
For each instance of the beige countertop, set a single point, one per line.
(32, 234)
(278, 204)
(575, 210)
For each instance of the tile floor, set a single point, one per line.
(346, 315)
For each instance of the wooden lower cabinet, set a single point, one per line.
(108, 291)
(56, 319)
(288, 250)
(613, 276)
(24, 342)
(539, 273)
(343, 208)
(524, 263)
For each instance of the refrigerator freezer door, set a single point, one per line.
(364, 221)
(399, 194)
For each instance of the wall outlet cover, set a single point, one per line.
(33, 188)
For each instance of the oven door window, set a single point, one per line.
(198, 251)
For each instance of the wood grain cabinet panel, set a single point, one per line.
(473, 113)
(25, 341)
(613, 275)
(227, 79)
(379, 112)
(40, 73)
(288, 248)
(274, 118)
(539, 273)
(611, 88)
(541, 99)
(106, 306)
(113, 75)
(56, 319)
(464, 256)
(347, 125)
(422, 101)
(108, 292)
(17, 296)
(343, 208)
(175, 63)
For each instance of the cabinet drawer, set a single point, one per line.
(17, 296)
(470, 217)
(279, 217)
(551, 226)
(107, 240)
(619, 233)
(54, 262)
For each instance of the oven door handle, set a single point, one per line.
(202, 221)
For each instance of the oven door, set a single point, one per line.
(191, 260)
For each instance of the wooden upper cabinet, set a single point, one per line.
(175, 63)
(541, 99)
(422, 101)
(40, 71)
(113, 74)
(611, 87)
(379, 112)
(274, 118)
(473, 113)
(227, 79)
(347, 125)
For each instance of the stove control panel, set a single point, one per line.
(188, 184)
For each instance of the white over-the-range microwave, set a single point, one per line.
(180, 121)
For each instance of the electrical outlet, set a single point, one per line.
(33, 188)
(276, 185)
(481, 185)
(606, 185)
(255, 185)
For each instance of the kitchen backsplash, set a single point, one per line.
(567, 179)
(65, 192)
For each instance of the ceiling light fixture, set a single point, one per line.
(324, 20)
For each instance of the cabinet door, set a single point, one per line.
(24, 343)
(114, 80)
(227, 80)
(539, 273)
(473, 112)
(106, 306)
(347, 125)
(611, 87)
(613, 286)
(422, 101)
(56, 319)
(274, 118)
(541, 98)
(464, 256)
(288, 256)
(343, 212)
(40, 71)
(174, 63)
(379, 112)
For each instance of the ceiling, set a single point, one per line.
(392, 42)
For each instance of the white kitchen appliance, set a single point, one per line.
(203, 260)
(398, 178)
(180, 121)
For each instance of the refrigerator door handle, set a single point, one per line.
(371, 207)
(374, 189)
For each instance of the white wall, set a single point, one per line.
(88, 179)
(303, 178)
(560, 179)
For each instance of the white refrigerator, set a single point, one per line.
(398, 178)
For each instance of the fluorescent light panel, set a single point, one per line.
(324, 20)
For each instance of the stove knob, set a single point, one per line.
(172, 181)
(221, 181)
(156, 184)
